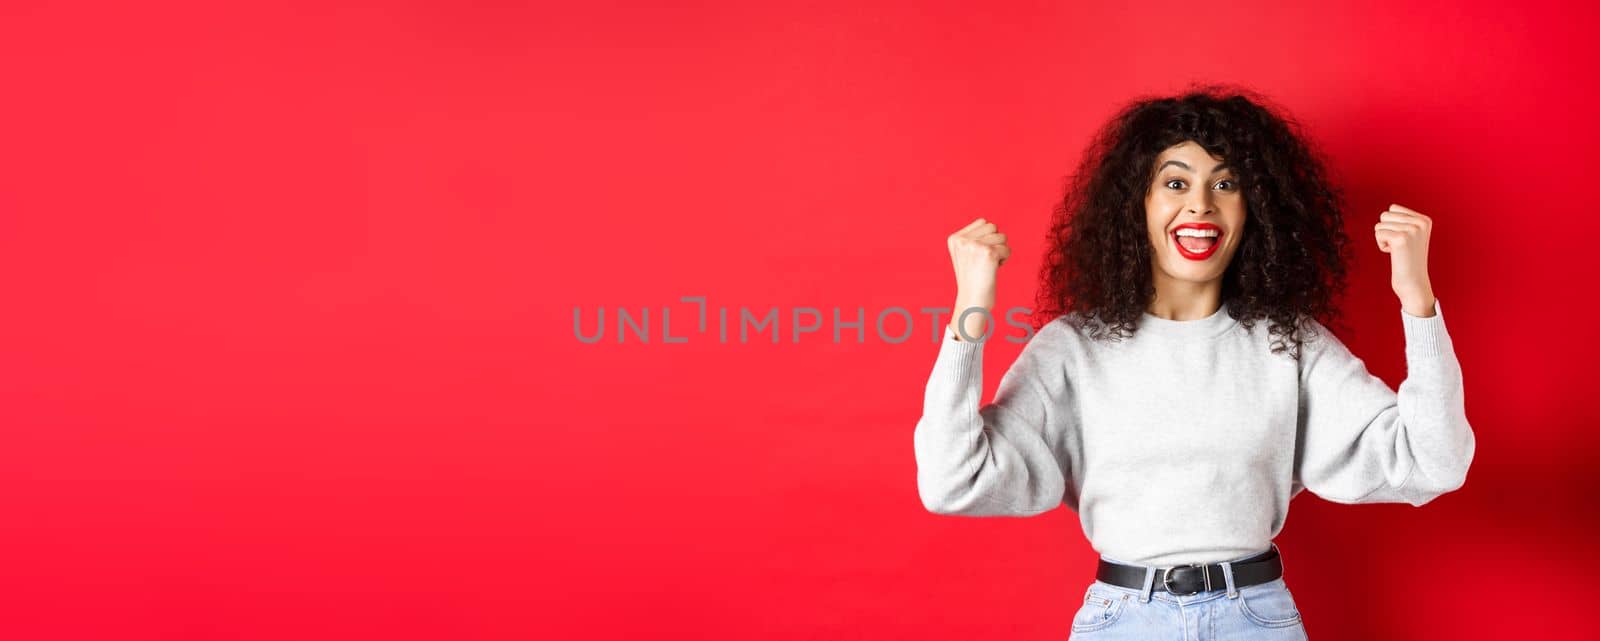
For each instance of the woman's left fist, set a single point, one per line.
(1402, 233)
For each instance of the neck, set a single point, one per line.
(1183, 300)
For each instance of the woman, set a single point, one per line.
(1183, 390)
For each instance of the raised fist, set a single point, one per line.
(976, 251)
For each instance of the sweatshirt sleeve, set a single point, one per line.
(1361, 442)
(993, 459)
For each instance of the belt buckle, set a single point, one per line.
(1166, 578)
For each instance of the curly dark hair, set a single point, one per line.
(1290, 263)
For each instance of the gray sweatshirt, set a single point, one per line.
(1186, 442)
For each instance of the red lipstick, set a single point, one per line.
(1184, 252)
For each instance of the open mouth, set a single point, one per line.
(1197, 241)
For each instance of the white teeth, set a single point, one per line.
(1198, 233)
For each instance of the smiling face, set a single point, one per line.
(1195, 212)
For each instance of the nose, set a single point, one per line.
(1200, 203)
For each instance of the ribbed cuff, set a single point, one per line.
(959, 357)
(1426, 336)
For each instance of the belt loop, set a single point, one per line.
(1149, 584)
(1280, 558)
(1227, 575)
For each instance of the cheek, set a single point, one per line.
(1158, 238)
(1163, 209)
(1237, 209)
(1158, 212)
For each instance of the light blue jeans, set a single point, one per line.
(1261, 611)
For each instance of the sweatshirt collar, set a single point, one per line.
(1203, 328)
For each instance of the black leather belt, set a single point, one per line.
(1182, 580)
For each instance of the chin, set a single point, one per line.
(1195, 273)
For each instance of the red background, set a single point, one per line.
(288, 350)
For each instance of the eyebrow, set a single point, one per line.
(1189, 169)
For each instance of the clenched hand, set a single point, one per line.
(976, 251)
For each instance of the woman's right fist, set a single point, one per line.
(976, 252)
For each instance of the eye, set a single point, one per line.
(1174, 180)
(1229, 183)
